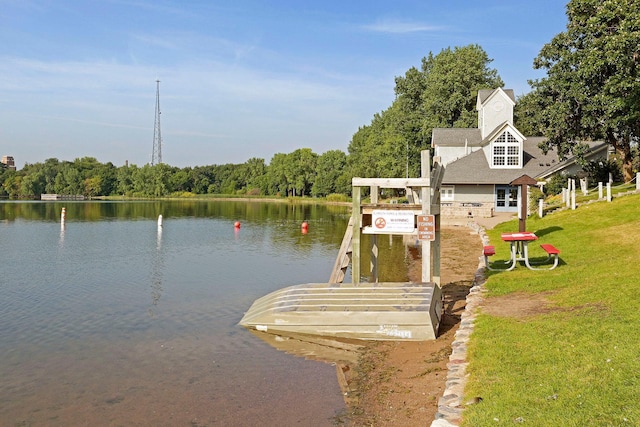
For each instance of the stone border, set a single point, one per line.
(451, 405)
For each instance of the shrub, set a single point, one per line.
(556, 184)
(599, 170)
(336, 197)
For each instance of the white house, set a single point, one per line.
(481, 163)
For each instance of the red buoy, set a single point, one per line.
(237, 224)
(305, 227)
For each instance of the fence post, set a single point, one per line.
(600, 193)
(608, 191)
(637, 181)
(540, 207)
(584, 186)
(573, 194)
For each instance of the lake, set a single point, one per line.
(109, 319)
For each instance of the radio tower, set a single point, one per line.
(156, 156)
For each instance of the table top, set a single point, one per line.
(521, 236)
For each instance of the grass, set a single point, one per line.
(579, 363)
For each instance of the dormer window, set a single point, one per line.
(506, 152)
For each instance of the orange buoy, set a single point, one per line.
(237, 224)
(305, 227)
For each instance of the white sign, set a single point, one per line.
(391, 221)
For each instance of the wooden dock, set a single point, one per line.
(368, 311)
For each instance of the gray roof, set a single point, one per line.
(474, 168)
(455, 137)
(483, 94)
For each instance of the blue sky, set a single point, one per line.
(239, 79)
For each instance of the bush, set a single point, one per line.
(556, 184)
(335, 197)
(599, 170)
(534, 195)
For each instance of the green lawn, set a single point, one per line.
(579, 363)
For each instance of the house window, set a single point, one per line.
(446, 193)
(506, 151)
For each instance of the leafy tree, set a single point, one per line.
(124, 179)
(442, 93)
(180, 181)
(600, 171)
(68, 180)
(592, 88)
(301, 170)
(92, 186)
(107, 174)
(254, 171)
(276, 175)
(330, 167)
(453, 79)
(201, 178)
(11, 183)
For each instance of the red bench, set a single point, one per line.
(551, 251)
(488, 251)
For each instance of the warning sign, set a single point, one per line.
(427, 227)
(390, 222)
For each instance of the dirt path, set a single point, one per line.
(398, 383)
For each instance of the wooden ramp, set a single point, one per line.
(380, 311)
(344, 256)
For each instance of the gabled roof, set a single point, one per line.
(456, 137)
(498, 130)
(485, 94)
(474, 168)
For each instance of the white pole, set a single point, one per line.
(540, 207)
(608, 191)
(159, 221)
(637, 181)
(63, 215)
(600, 192)
(573, 194)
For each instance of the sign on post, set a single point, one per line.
(427, 227)
(390, 222)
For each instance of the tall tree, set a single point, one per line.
(592, 88)
(329, 170)
(453, 79)
(442, 93)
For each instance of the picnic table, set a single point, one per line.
(519, 251)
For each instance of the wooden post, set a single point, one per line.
(524, 181)
(355, 240)
(373, 256)
(637, 181)
(608, 191)
(425, 170)
(600, 193)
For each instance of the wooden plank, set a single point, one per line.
(390, 182)
(344, 255)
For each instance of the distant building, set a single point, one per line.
(481, 163)
(9, 162)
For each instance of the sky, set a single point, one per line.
(239, 79)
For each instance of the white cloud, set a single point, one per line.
(400, 27)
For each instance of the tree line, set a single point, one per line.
(441, 93)
(591, 92)
(300, 173)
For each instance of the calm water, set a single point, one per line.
(111, 320)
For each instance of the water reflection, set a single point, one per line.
(341, 352)
(157, 270)
(62, 231)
